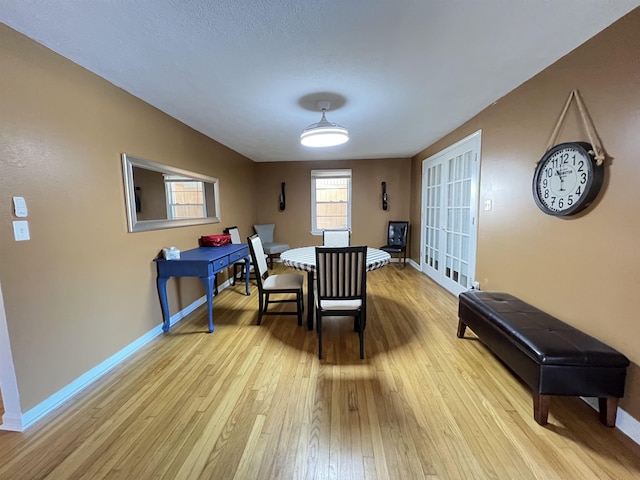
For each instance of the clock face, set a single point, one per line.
(567, 179)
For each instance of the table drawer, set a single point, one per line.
(220, 263)
(183, 268)
(235, 256)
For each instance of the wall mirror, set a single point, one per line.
(159, 196)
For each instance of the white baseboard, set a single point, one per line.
(12, 422)
(61, 396)
(628, 425)
(624, 422)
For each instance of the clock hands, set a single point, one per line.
(561, 175)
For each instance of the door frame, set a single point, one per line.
(12, 418)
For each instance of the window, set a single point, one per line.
(185, 197)
(330, 200)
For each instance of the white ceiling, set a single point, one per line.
(248, 73)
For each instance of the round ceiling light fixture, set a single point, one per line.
(324, 133)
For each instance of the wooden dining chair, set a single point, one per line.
(239, 266)
(341, 287)
(283, 285)
(336, 238)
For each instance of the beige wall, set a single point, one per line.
(585, 270)
(368, 220)
(83, 287)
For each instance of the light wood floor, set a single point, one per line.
(254, 402)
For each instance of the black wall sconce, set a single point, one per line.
(283, 202)
(385, 200)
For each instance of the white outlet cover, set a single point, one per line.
(21, 230)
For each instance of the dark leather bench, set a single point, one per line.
(553, 358)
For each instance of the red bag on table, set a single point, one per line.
(215, 240)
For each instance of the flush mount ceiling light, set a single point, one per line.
(324, 133)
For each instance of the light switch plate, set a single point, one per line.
(20, 207)
(21, 230)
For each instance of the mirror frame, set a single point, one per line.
(135, 225)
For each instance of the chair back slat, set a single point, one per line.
(341, 272)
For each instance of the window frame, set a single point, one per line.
(330, 173)
(169, 182)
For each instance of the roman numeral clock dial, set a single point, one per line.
(567, 179)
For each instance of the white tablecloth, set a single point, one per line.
(304, 258)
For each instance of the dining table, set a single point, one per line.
(304, 258)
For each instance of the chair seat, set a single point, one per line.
(392, 249)
(283, 281)
(353, 304)
(341, 304)
(275, 247)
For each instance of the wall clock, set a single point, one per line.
(567, 179)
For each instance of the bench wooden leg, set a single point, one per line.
(608, 410)
(541, 408)
(461, 329)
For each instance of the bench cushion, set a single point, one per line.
(545, 339)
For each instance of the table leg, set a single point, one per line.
(310, 304)
(161, 282)
(208, 286)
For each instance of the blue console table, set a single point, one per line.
(204, 263)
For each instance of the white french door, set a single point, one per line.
(450, 184)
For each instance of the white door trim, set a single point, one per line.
(12, 418)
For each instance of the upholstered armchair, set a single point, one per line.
(271, 248)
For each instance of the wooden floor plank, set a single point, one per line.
(255, 402)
